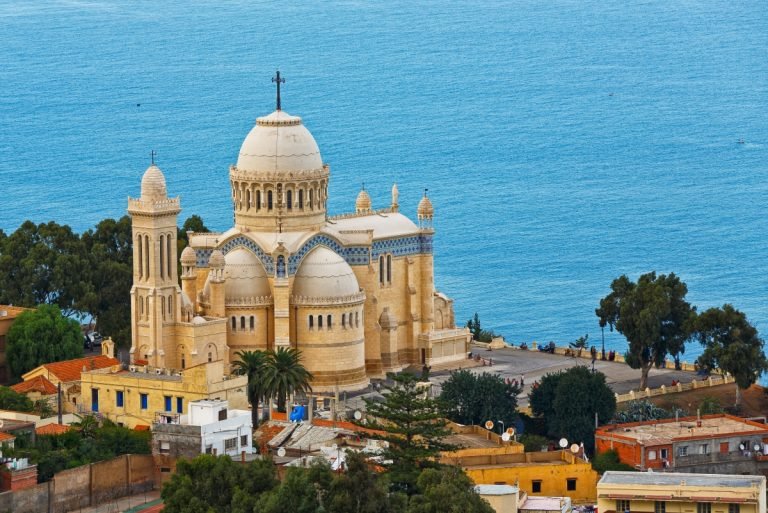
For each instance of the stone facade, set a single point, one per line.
(354, 293)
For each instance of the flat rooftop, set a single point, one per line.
(675, 479)
(669, 430)
(469, 441)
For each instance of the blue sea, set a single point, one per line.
(563, 143)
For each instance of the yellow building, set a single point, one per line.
(666, 492)
(488, 460)
(8, 315)
(142, 395)
(354, 293)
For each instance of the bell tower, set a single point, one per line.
(155, 292)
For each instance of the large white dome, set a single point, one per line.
(323, 273)
(279, 142)
(245, 276)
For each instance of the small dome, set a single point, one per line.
(425, 209)
(363, 203)
(279, 142)
(387, 320)
(198, 320)
(245, 276)
(153, 184)
(217, 260)
(323, 273)
(188, 257)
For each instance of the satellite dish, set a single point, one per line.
(741, 447)
(358, 415)
(563, 443)
(575, 448)
(511, 431)
(488, 424)
(505, 437)
(757, 447)
(281, 452)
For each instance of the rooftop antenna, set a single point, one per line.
(277, 80)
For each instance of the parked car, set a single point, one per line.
(92, 339)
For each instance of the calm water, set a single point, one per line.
(562, 144)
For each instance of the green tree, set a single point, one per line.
(358, 490)
(447, 490)
(469, 398)
(474, 326)
(577, 395)
(732, 345)
(42, 336)
(652, 314)
(252, 364)
(45, 263)
(609, 460)
(14, 401)
(533, 443)
(413, 427)
(110, 248)
(284, 375)
(217, 484)
(297, 494)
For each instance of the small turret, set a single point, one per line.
(363, 203)
(395, 195)
(216, 263)
(425, 212)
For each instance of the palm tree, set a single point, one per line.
(253, 365)
(286, 375)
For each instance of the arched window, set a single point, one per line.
(258, 199)
(343, 320)
(146, 255)
(319, 322)
(170, 304)
(269, 200)
(210, 357)
(311, 322)
(301, 198)
(253, 322)
(141, 257)
(311, 199)
(248, 198)
(183, 361)
(381, 269)
(242, 323)
(330, 323)
(389, 268)
(289, 199)
(169, 261)
(234, 323)
(357, 319)
(141, 305)
(162, 306)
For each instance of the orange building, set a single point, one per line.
(711, 443)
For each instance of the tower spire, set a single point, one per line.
(277, 80)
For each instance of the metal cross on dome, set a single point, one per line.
(277, 80)
(152, 156)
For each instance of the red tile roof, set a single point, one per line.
(5, 437)
(36, 384)
(69, 370)
(52, 429)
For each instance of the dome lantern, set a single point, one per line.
(363, 202)
(425, 212)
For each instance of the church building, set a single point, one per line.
(354, 292)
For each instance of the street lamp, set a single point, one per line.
(502, 426)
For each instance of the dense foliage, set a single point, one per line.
(413, 427)
(609, 460)
(533, 443)
(472, 399)
(478, 333)
(652, 314)
(91, 441)
(88, 275)
(568, 402)
(41, 336)
(208, 483)
(731, 344)
(14, 401)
